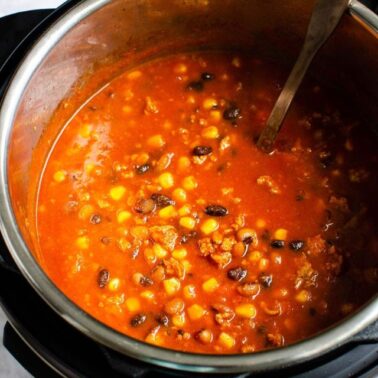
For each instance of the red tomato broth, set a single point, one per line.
(106, 143)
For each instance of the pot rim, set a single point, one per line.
(29, 267)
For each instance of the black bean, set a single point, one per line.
(216, 210)
(277, 243)
(232, 113)
(138, 320)
(312, 311)
(207, 76)
(202, 150)
(95, 219)
(145, 206)
(141, 169)
(162, 319)
(188, 236)
(248, 240)
(103, 278)
(195, 86)
(299, 197)
(266, 280)
(146, 281)
(296, 245)
(161, 200)
(237, 274)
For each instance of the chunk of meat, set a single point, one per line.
(223, 314)
(165, 235)
(316, 245)
(174, 268)
(270, 183)
(206, 247)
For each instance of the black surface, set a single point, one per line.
(68, 350)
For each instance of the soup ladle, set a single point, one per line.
(324, 19)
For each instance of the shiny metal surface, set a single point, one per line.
(97, 32)
(364, 16)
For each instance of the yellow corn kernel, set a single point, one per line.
(159, 251)
(60, 176)
(246, 310)
(210, 285)
(85, 212)
(179, 254)
(147, 294)
(149, 255)
(171, 286)
(132, 304)
(179, 195)
(114, 284)
(263, 264)
(180, 68)
(123, 216)
(184, 210)
(187, 265)
(183, 163)
(209, 103)
(255, 256)
(117, 192)
(82, 242)
(179, 319)
(260, 223)
(89, 167)
(189, 183)
(210, 132)
(134, 75)
(303, 296)
(216, 115)
(154, 337)
(188, 222)
(189, 291)
(142, 158)
(85, 131)
(166, 180)
(209, 226)
(156, 141)
(127, 109)
(139, 232)
(280, 234)
(196, 312)
(226, 340)
(167, 212)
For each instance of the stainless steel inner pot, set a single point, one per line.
(98, 31)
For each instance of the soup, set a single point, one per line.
(158, 215)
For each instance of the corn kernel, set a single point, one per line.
(188, 222)
(85, 212)
(180, 68)
(196, 312)
(167, 212)
(246, 310)
(123, 216)
(114, 284)
(187, 265)
(209, 103)
(134, 75)
(255, 256)
(132, 304)
(85, 131)
(117, 192)
(303, 296)
(179, 254)
(82, 242)
(179, 195)
(60, 176)
(179, 319)
(189, 183)
(189, 291)
(209, 226)
(154, 337)
(171, 286)
(210, 285)
(156, 141)
(183, 163)
(280, 234)
(166, 180)
(216, 115)
(210, 132)
(260, 223)
(139, 232)
(147, 294)
(226, 340)
(127, 109)
(149, 255)
(159, 251)
(184, 210)
(263, 264)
